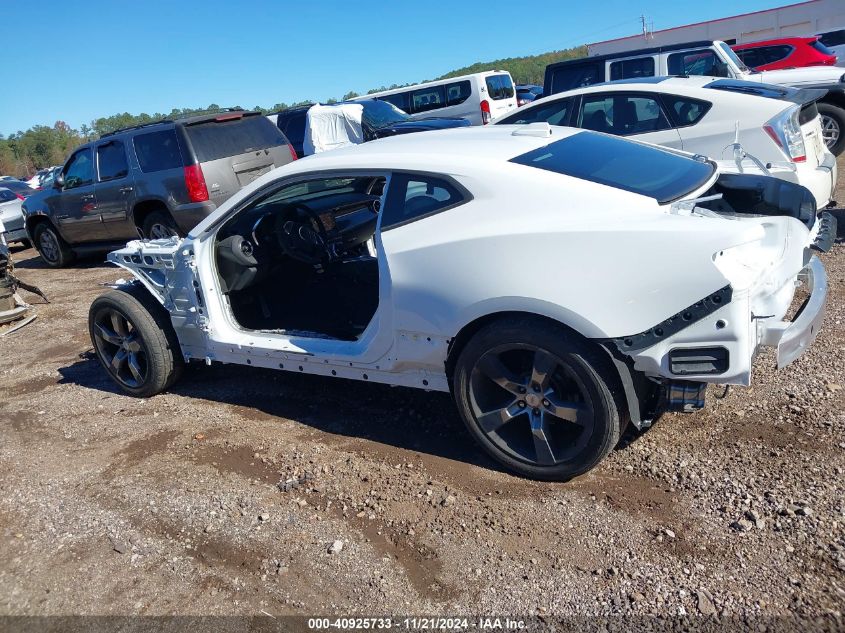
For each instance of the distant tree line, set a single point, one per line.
(23, 153)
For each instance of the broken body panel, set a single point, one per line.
(614, 268)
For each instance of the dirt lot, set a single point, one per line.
(113, 505)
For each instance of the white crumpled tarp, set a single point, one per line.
(331, 127)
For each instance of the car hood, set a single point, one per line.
(799, 76)
(421, 125)
(36, 200)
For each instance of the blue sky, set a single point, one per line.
(78, 60)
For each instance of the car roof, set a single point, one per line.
(778, 40)
(456, 144)
(654, 50)
(182, 120)
(693, 86)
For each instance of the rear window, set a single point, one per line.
(834, 38)
(157, 151)
(499, 87)
(7, 196)
(622, 164)
(821, 48)
(213, 139)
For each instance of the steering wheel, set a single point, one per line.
(299, 240)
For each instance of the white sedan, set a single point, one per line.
(559, 282)
(11, 215)
(778, 126)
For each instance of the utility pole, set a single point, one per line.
(646, 30)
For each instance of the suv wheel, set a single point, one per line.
(53, 249)
(833, 127)
(538, 399)
(160, 226)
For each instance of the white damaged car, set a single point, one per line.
(560, 283)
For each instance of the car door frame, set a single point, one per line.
(223, 341)
(575, 118)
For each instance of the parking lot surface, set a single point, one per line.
(172, 505)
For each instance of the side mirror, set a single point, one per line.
(59, 181)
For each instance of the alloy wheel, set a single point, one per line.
(121, 348)
(48, 246)
(531, 404)
(830, 131)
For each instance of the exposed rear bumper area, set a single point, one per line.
(793, 338)
(820, 180)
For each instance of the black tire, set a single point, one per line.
(53, 249)
(520, 429)
(833, 123)
(160, 224)
(134, 341)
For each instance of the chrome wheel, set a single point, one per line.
(531, 405)
(830, 130)
(48, 245)
(121, 348)
(160, 231)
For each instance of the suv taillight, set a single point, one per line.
(195, 182)
(20, 196)
(785, 131)
(485, 112)
(292, 151)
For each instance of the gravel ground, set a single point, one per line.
(114, 505)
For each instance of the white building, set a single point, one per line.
(804, 18)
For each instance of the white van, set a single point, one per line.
(477, 98)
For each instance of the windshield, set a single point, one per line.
(379, 114)
(615, 162)
(736, 60)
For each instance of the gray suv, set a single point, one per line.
(153, 181)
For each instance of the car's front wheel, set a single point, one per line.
(53, 249)
(134, 341)
(537, 398)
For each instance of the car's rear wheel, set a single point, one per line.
(53, 249)
(537, 398)
(134, 341)
(833, 127)
(160, 225)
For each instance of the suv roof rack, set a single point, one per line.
(199, 114)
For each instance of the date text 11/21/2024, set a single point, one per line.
(417, 623)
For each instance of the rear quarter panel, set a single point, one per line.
(605, 262)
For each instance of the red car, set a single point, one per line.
(785, 52)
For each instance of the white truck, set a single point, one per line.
(710, 58)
